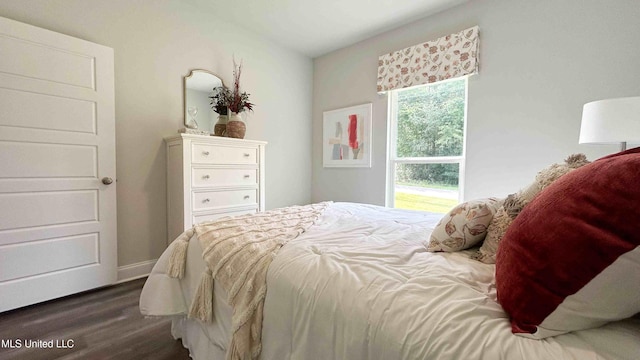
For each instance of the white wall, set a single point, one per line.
(540, 61)
(156, 43)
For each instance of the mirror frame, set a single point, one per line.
(184, 91)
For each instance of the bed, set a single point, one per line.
(360, 284)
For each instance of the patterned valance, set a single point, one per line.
(448, 57)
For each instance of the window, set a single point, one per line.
(427, 146)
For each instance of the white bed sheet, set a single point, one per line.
(166, 296)
(360, 285)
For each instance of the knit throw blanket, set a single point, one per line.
(238, 252)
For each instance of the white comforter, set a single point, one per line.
(360, 285)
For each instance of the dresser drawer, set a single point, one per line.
(203, 177)
(216, 154)
(210, 217)
(216, 199)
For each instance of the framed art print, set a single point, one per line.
(346, 137)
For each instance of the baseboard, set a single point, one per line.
(135, 271)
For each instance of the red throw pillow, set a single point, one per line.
(571, 259)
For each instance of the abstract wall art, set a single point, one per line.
(347, 137)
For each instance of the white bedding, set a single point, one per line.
(360, 285)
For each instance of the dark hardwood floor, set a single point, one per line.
(101, 324)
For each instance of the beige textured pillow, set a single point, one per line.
(514, 203)
(464, 226)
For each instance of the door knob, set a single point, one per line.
(107, 180)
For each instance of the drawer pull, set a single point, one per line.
(206, 200)
(206, 177)
(246, 197)
(246, 154)
(246, 176)
(205, 153)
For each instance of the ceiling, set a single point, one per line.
(317, 27)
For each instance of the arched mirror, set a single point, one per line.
(198, 86)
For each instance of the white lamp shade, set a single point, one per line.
(611, 121)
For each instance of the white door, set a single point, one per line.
(57, 144)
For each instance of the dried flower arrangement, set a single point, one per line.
(220, 100)
(224, 99)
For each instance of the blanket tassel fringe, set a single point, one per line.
(202, 304)
(178, 258)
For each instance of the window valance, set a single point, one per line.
(448, 57)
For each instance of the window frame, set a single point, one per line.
(392, 139)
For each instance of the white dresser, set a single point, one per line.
(209, 177)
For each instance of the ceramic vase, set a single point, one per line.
(220, 128)
(236, 127)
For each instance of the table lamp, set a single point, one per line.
(611, 121)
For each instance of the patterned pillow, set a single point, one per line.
(496, 229)
(514, 203)
(571, 259)
(464, 226)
